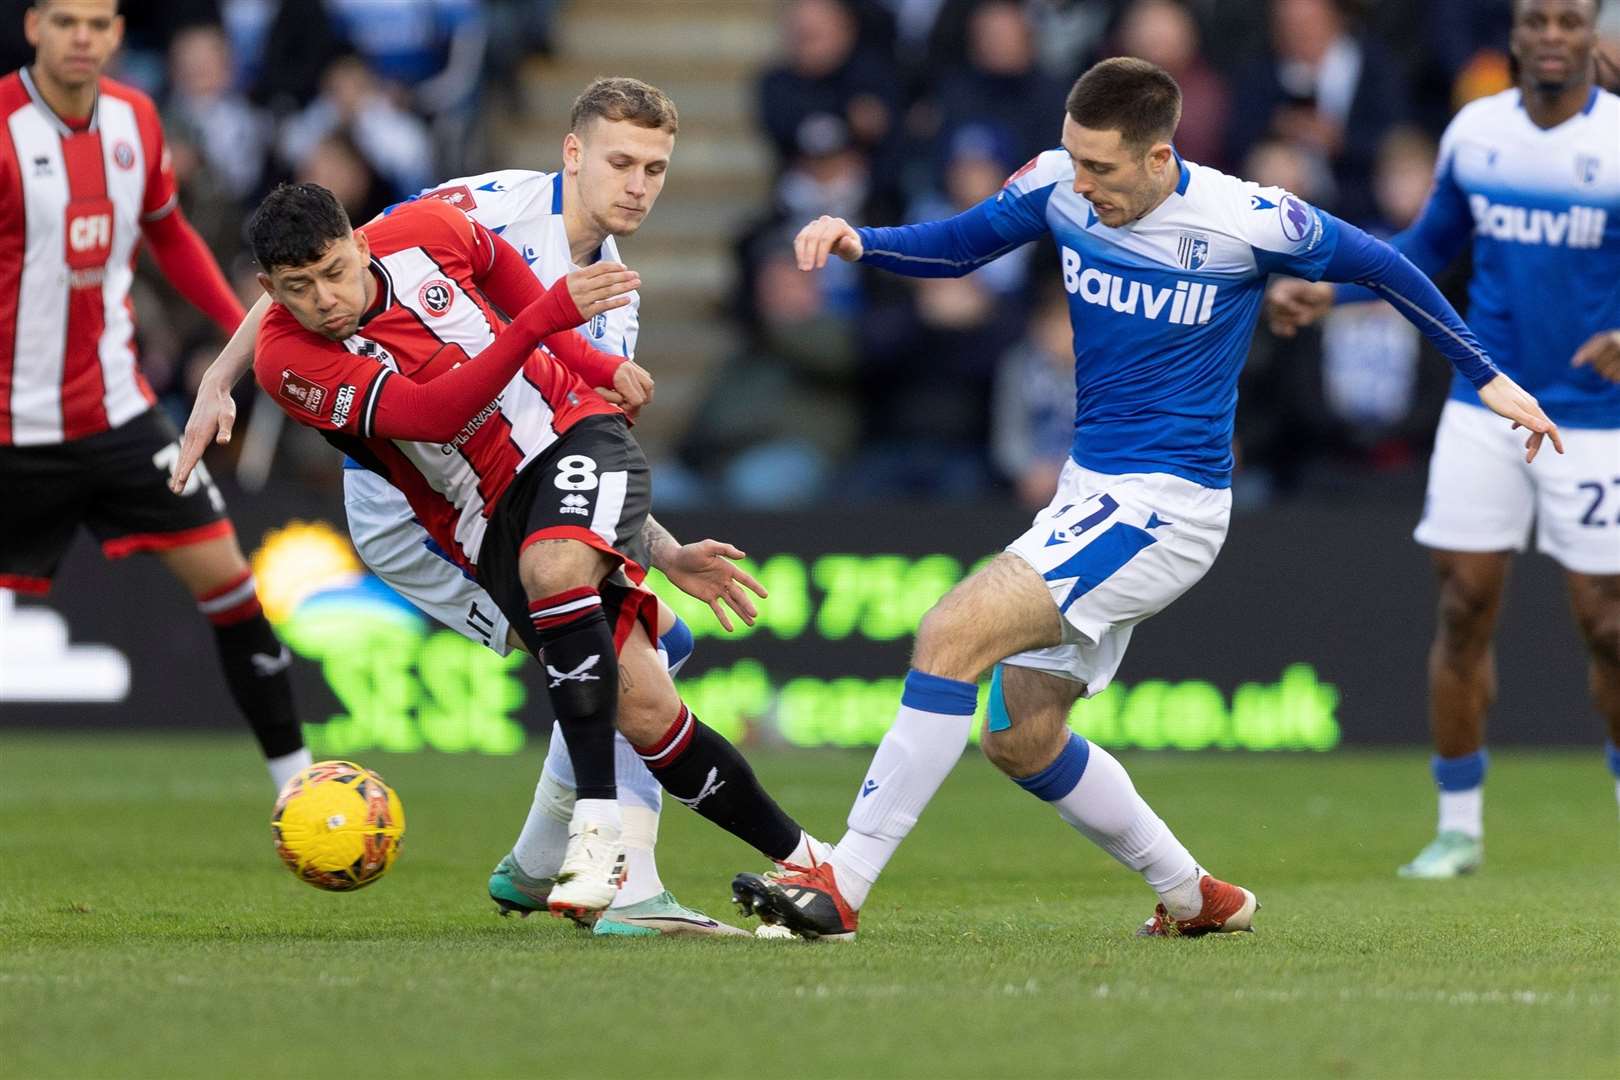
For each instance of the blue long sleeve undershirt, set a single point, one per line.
(958, 245)
(1388, 274)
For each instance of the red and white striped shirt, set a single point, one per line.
(73, 200)
(433, 268)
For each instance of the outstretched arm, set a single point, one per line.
(213, 411)
(1378, 267)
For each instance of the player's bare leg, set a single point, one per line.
(1462, 687)
(255, 663)
(560, 579)
(1027, 737)
(1003, 609)
(1595, 599)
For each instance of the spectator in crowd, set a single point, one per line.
(337, 164)
(393, 143)
(432, 51)
(1325, 89)
(1000, 85)
(1032, 406)
(827, 72)
(282, 48)
(978, 160)
(232, 135)
(150, 27)
(1165, 33)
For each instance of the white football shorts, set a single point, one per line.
(1115, 549)
(1483, 495)
(400, 552)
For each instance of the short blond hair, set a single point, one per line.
(621, 98)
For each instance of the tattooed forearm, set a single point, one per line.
(660, 542)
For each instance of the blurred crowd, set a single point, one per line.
(851, 384)
(859, 384)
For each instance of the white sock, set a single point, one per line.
(287, 766)
(603, 813)
(1463, 811)
(540, 846)
(1105, 808)
(641, 881)
(911, 763)
(637, 785)
(1617, 791)
(810, 852)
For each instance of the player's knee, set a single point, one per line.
(1601, 631)
(548, 567)
(1466, 608)
(951, 642)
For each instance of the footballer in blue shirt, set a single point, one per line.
(1530, 177)
(1164, 263)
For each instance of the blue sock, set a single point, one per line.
(1613, 754)
(1063, 775)
(678, 645)
(1459, 773)
(937, 694)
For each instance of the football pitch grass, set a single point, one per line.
(147, 929)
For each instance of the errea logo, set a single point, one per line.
(1188, 303)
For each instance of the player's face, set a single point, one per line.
(329, 295)
(620, 166)
(73, 39)
(1121, 182)
(1553, 41)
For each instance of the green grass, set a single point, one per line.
(146, 928)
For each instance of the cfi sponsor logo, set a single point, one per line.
(342, 402)
(301, 391)
(436, 297)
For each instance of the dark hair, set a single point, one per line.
(1133, 97)
(621, 98)
(294, 226)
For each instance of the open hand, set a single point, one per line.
(1504, 397)
(826, 236)
(706, 570)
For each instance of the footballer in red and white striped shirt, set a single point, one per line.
(84, 180)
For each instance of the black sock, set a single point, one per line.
(255, 664)
(701, 769)
(582, 674)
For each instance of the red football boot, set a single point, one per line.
(1228, 909)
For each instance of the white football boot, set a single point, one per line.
(592, 871)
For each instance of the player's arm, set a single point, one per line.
(1328, 249)
(953, 247)
(1431, 243)
(213, 411)
(179, 252)
(190, 267)
(373, 402)
(704, 570)
(505, 277)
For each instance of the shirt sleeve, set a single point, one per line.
(162, 193)
(1287, 234)
(1389, 275)
(959, 245)
(317, 382)
(1440, 233)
